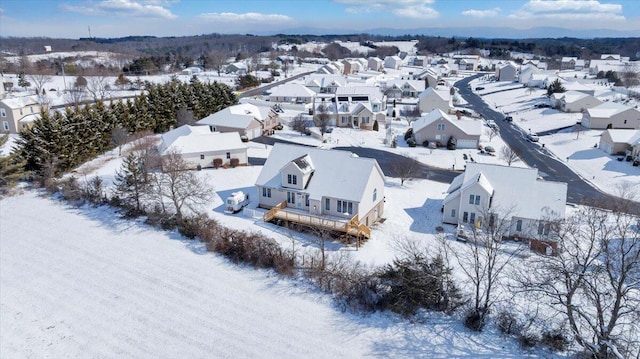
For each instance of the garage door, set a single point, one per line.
(467, 144)
(606, 147)
(253, 133)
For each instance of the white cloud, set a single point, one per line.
(123, 8)
(482, 13)
(416, 9)
(417, 12)
(570, 10)
(246, 17)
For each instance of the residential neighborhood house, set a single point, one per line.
(247, 119)
(323, 189)
(438, 127)
(621, 142)
(200, 147)
(611, 115)
(431, 99)
(17, 113)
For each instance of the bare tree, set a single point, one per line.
(484, 260)
(509, 155)
(322, 118)
(578, 129)
(594, 280)
(491, 132)
(300, 124)
(182, 187)
(39, 80)
(216, 61)
(98, 87)
(76, 95)
(185, 117)
(629, 76)
(411, 114)
(405, 168)
(531, 90)
(119, 136)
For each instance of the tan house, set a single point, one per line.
(325, 189)
(200, 147)
(17, 113)
(619, 142)
(611, 115)
(437, 126)
(506, 72)
(431, 99)
(248, 120)
(574, 101)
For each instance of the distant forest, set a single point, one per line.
(179, 52)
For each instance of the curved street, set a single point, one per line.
(579, 190)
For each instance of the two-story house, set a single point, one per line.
(432, 98)
(437, 126)
(526, 205)
(327, 189)
(17, 113)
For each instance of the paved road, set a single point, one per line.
(385, 160)
(550, 168)
(259, 90)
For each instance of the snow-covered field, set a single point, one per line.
(79, 283)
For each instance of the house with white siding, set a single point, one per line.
(247, 119)
(438, 127)
(325, 189)
(432, 98)
(611, 115)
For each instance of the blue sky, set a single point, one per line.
(115, 18)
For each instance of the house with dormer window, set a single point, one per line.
(328, 189)
(517, 196)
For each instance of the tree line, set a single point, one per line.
(59, 141)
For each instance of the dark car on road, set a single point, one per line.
(508, 118)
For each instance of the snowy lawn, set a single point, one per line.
(83, 283)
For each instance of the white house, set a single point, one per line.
(375, 64)
(611, 115)
(431, 99)
(574, 101)
(292, 93)
(506, 72)
(437, 126)
(199, 147)
(247, 119)
(516, 196)
(327, 189)
(392, 62)
(616, 142)
(321, 83)
(404, 88)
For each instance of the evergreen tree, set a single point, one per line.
(22, 81)
(130, 182)
(12, 168)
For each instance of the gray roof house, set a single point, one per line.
(437, 126)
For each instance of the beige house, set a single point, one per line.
(325, 189)
(506, 72)
(574, 101)
(247, 119)
(616, 142)
(431, 99)
(200, 147)
(437, 126)
(611, 115)
(17, 113)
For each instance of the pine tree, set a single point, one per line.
(12, 168)
(22, 81)
(130, 182)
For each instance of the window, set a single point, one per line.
(543, 228)
(473, 199)
(519, 225)
(345, 207)
(478, 199)
(339, 208)
(5, 125)
(472, 217)
(31, 108)
(266, 192)
(441, 127)
(20, 112)
(202, 157)
(350, 210)
(295, 179)
(453, 213)
(365, 119)
(292, 179)
(3, 113)
(306, 200)
(291, 197)
(465, 217)
(327, 204)
(228, 155)
(375, 194)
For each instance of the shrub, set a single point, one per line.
(217, 162)
(507, 323)
(555, 339)
(528, 339)
(375, 125)
(411, 142)
(474, 320)
(408, 134)
(234, 162)
(452, 143)
(394, 143)
(425, 143)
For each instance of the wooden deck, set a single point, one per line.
(348, 226)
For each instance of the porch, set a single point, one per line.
(347, 225)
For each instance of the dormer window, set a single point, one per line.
(292, 179)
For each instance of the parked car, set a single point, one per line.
(542, 105)
(533, 137)
(492, 124)
(329, 130)
(508, 118)
(479, 88)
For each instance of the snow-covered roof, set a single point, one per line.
(29, 118)
(19, 102)
(624, 136)
(337, 174)
(292, 90)
(236, 116)
(444, 95)
(573, 96)
(607, 109)
(517, 191)
(198, 139)
(470, 127)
